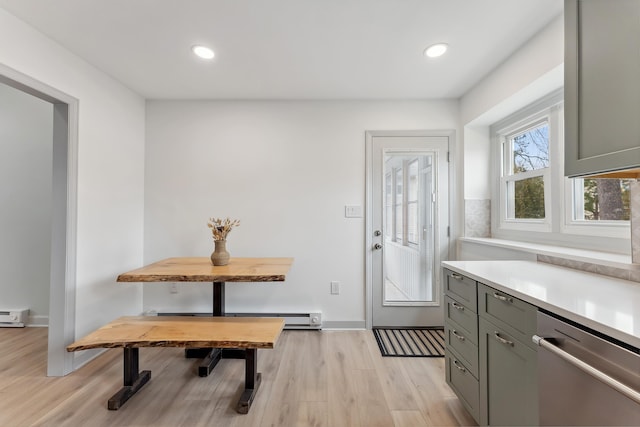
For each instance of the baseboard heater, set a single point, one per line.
(291, 320)
(13, 318)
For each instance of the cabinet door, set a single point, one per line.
(602, 85)
(508, 379)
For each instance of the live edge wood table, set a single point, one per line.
(199, 269)
(131, 333)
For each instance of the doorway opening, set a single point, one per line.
(62, 286)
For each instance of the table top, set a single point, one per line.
(184, 331)
(199, 269)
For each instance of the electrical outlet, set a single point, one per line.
(335, 288)
(173, 288)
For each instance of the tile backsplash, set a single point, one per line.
(477, 218)
(618, 273)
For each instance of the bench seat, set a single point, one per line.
(184, 331)
(133, 332)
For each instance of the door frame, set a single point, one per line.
(62, 285)
(369, 135)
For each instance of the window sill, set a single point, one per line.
(605, 259)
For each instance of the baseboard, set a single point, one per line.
(38, 321)
(343, 324)
(82, 358)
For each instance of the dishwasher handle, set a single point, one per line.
(597, 374)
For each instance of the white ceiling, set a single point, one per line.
(290, 49)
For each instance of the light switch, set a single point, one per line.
(353, 211)
(335, 288)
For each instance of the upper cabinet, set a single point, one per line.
(602, 87)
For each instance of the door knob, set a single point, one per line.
(377, 246)
(377, 233)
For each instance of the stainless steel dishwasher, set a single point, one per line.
(585, 378)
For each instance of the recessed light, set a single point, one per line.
(203, 52)
(436, 50)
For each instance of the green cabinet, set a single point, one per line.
(507, 359)
(461, 340)
(508, 378)
(602, 88)
(490, 360)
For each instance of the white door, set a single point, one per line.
(407, 222)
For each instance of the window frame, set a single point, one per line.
(502, 135)
(559, 225)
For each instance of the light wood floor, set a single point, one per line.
(328, 378)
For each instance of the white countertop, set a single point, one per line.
(607, 305)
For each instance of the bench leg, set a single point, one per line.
(133, 379)
(252, 380)
(209, 362)
(211, 356)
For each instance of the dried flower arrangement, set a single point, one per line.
(221, 227)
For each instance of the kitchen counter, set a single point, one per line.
(607, 305)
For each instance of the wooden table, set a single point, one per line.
(132, 332)
(199, 269)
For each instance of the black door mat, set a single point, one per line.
(410, 342)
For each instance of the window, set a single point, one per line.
(526, 157)
(388, 205)
(599, 199)
(525, 173)
(412, 202)
(397, 203)
(531, 192)
(402, 190)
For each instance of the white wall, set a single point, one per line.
(26, 143)
(110, 170)
(537, 58)
(286, 170)
(533, 71)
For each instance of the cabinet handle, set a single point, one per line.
(459, 366)
(457, 306)
(502, 297)
(457, 335)
(496, 334)
(456, 276)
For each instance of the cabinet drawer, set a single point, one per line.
(464, 384)
(462, 288)
(464, 347)
(463, 317)
(514, 315)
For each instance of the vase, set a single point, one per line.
(220, 256)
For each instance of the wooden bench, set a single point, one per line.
(131, 333)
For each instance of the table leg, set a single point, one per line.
(133, 379)
(210, 356)
(252, 380)
(218, 299)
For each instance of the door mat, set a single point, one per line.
(410, 342)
